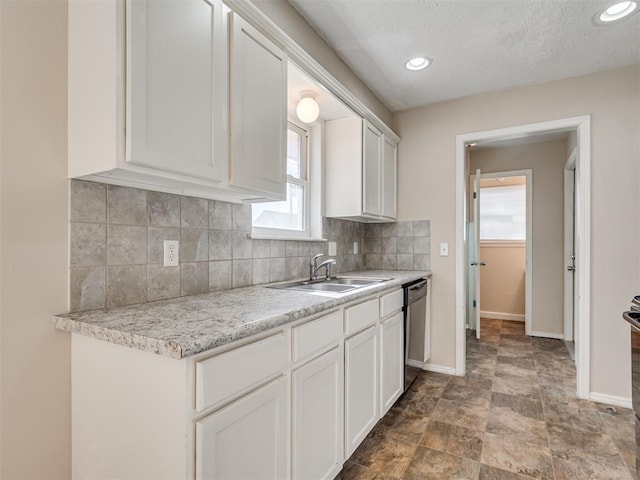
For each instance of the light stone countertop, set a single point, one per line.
(180, 327)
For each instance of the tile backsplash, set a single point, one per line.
(404, 245)
(117, 239)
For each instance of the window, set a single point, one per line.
(503, 213)
(291, 216)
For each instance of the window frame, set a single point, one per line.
(305, 183)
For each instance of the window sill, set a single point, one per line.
(503, 243)
(286, 237)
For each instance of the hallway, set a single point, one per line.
(514, 416)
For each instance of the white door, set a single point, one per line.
(361, 387)
(569, 254)
(176, 87)
(248, 439)
(258, 111)
(475, 261)
(389, 181)
(371, 163)
(391, 361)
(318, 428)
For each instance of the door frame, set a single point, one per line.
(569, 244)
(528, 277)
(582, 125)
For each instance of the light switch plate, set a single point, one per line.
(355, 248)
(444, 249)
(333, 249)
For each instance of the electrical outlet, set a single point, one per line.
(333, 249)
(171, 248)
(355, 248)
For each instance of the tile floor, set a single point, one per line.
(513, 416)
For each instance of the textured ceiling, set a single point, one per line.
(476, 45)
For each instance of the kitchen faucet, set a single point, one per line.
(314, 267)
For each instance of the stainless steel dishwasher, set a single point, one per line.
(416, 342)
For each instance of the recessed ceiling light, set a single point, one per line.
(617, 12)
(418, 63)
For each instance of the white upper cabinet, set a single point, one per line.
(371, 161)
(389, 178)
(360, 171)
(177, 87)
(258, 87)
(150, 102)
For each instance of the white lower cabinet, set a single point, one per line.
(293, 403)
(391, 361)
(248, 439)
(317, 417)
(361, 387)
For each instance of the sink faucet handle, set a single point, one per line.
(326, 264)
(329, 263)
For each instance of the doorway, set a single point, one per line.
(582, 127)
(500, 248)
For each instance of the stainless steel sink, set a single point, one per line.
(340, 284)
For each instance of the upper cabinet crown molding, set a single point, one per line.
(149, 100)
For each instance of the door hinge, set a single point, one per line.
(474, 194)
(474, 304)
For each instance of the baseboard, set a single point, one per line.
(516, 317)
(429, 367)
(559, 336)
(610, 399)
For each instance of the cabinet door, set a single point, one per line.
(361, 387)
(389, 178)
(318, 417)
(258, 96)
(371, 158)
(176, 87)
(247, 439)
(391, 361)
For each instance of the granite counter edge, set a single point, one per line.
(174, 350)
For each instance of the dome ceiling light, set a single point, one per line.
(308, 110)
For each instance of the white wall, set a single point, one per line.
(427, 190)
(547, 241)
(502, 281)
(35, 358)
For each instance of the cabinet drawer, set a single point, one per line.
(316, 334)
(360, 316)
(224, 375)
(390, 303)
